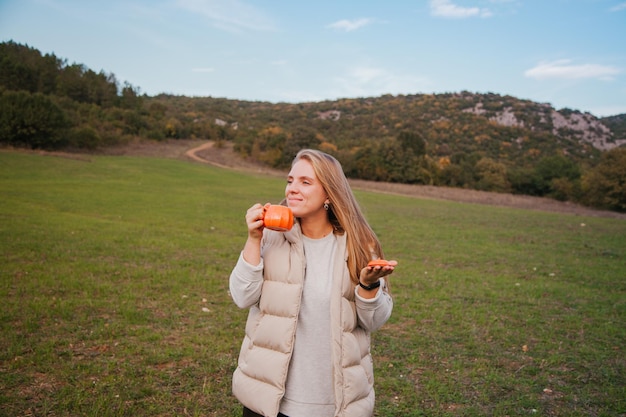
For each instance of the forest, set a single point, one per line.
(487, 142)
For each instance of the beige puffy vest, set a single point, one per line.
(259, 380)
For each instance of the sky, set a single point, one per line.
(568, 53)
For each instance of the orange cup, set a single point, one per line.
(279, 218)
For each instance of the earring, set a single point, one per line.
(326, 206)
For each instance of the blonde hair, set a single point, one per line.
(344, 211)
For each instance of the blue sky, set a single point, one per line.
(569, 53)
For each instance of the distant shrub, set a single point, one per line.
(604, 186)
(84, 137)
(31, 120)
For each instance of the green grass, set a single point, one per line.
(114, 292)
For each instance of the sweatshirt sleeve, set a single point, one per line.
(374, 312)
(245, 283)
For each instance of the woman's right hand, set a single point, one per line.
(254, 220)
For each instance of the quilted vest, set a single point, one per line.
(259, 380)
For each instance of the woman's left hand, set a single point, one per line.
(370, 274)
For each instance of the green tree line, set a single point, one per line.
(431, 139)
(47, 103)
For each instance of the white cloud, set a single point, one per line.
(565, 69)
(230, 15)
(446, 9)
(618, 7)
(366, 81)
(350, 25)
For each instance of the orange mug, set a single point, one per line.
(279, 218)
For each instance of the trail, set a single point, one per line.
(193, 154)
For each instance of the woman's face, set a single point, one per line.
(305, 195)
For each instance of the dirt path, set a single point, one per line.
(225, 157)
(193, 154)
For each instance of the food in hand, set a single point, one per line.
(279, 218)
(379, 262)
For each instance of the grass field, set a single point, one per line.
(114, 293)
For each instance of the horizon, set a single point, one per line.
(568, 56)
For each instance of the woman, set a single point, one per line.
(313, 301)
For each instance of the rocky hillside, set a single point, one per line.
(504, 128)
(564, 124)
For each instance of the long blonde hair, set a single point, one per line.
(344, 211)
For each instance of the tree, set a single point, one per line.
(84, 137)
(604, 186)
(453, 175)
(525, 180)
(31, 119)
(556, 176)
(71, 83)
(101, 88)
(302, 138)
(16, 76)
(130, 98)
(554, 167)
(492, 176)
(412, 141)
(173, 128)
(19, 67)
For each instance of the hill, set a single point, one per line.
(486, 142)
(380, 117)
